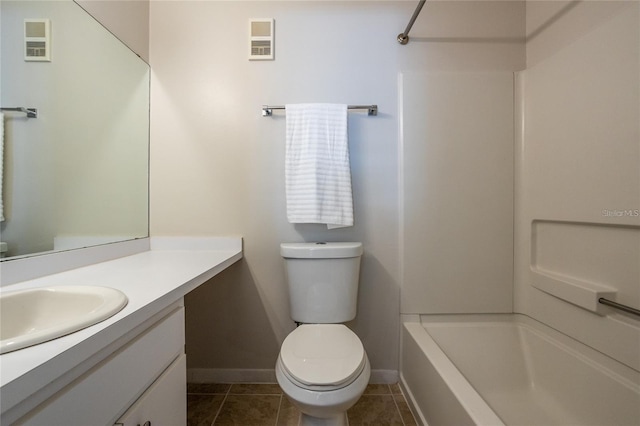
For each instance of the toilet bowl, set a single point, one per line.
(323, 370)
(322, 367)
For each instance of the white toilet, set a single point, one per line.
(322, 367)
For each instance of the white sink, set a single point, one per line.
(34, 316)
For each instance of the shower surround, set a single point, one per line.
(574, 236)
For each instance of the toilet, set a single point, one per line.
(322, 367)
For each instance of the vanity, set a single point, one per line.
(129, 369)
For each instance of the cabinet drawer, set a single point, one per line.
(165, 402)
(102, 394)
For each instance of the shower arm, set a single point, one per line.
(403, 38)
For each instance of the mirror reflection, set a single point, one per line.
(77, 175)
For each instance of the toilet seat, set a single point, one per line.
(322, 356)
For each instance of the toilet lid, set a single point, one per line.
(322, 354)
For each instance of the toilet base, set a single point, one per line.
(339, 420)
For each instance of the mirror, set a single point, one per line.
(77, 175)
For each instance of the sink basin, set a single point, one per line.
(29, 317)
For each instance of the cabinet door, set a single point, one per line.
(164, 403)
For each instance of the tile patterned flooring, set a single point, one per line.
(265, 404)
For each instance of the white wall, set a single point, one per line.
(217, 165)
(578, 160)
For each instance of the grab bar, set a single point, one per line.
(619, 306)
(267, 111)
(31, 112)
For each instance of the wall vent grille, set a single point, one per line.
(261, 39)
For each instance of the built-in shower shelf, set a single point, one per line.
(583, 262)
(581, 293)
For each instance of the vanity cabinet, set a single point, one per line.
(143, 380)
(128, 365)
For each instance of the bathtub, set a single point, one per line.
(511, 370)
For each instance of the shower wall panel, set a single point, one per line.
(457, 192)
(578, 177)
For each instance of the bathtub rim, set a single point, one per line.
(473, 403)
(621, 372)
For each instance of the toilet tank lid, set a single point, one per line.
(320, 250)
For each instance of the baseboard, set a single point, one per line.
(230, 375)
(238, 375)
(385, 377)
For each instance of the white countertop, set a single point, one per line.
(152, 280)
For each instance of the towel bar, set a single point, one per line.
(31, 112)
(267, 111)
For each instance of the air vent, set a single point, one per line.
(260, 48)
(37, 40)
(261, 39)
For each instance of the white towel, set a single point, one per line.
(1, 165)
(317, 173)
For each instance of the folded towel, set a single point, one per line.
(1, 165)
(317, 173)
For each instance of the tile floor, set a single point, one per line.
(265, 404)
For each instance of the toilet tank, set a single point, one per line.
(323, 281)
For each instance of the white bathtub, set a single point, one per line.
(511, 370)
